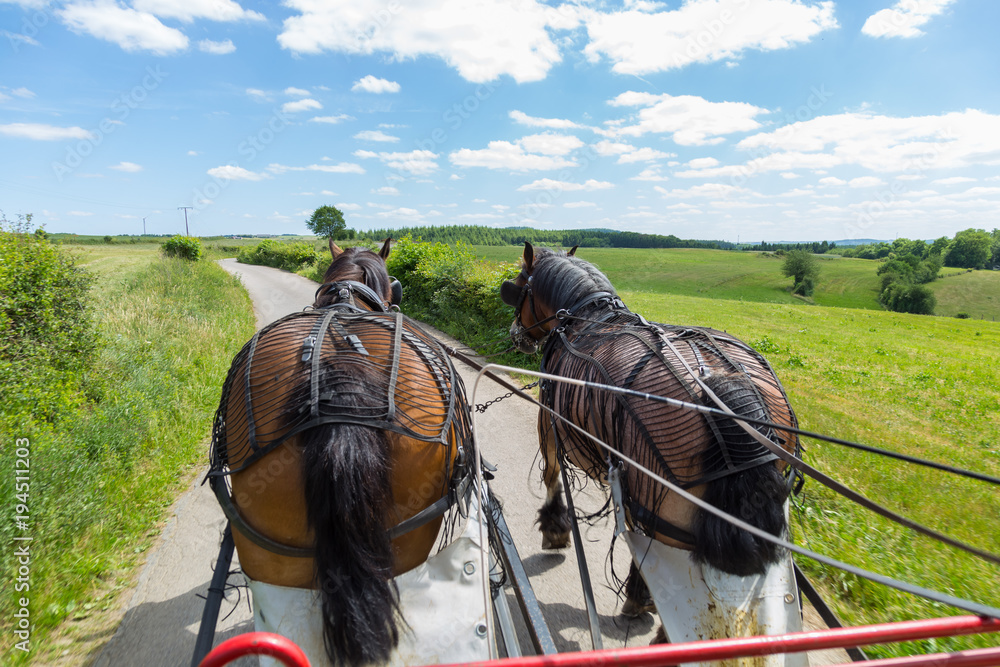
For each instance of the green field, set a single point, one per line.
(744, 276)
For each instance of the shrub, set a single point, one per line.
(47, 332)
(962, 316)
(185, 247)
(278, 255)
(449, 288)
(904, 297)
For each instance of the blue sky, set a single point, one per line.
(711, 119)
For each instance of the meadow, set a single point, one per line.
(750, 276)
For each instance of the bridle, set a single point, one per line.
(512, 295)
(347, 290)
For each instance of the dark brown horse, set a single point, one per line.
(571, 309)
(344, 433)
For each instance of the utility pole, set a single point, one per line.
(143, 225)
(186, 232)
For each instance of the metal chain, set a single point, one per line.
(481, 407)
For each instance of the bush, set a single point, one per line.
(962, 316)
(273, 253)
(47, 332)
(451, 289)
(904, 297)
(185, 247)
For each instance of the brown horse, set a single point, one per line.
(345, 434)
(568, 307)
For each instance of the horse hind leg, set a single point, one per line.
(553, 517)
(638, 599)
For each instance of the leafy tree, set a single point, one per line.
(995, 258)
(970, 250)
(904, 297)
(802, 267)
(940, 246)
(327, 221)
(916, 247)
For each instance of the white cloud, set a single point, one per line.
(912, 144)
(371, 84)
(297, 92)
(954, 180)
(301, 105)
(187, 11)
(332, 120)
(258, 94)
(865, 182)
(482, 40)
(386, 190)
(41, 132)
(128, 167)
(23, 93)
(552, 123)
(564, 186)
(192, 153)
(130, 29)
(549, 143)
(375, 135)
(904, 18)
(703, 163)
(642, 40)
(650, 174)
(645, 154)
(416, 163)
(340, 168)
(231, 172)
(690, 119)
(348, 207)
(579, 204)
(789, 175)
(832, 180)
(707, 190)
(507, 155)
(216, 48)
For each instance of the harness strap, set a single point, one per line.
(843, 490)
(644, 517)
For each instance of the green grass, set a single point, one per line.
(102, 477)
(926, 386)
(741, 276)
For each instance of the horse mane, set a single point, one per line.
(562, 280)
(357, 264)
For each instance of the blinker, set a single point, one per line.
(510, 293)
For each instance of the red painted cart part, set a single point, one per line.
(982, 657)
(256, 643)
(723, 649)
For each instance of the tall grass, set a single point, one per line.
(103, 472)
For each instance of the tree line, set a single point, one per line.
(586, 238)
(969, 249)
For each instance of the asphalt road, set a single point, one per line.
(163, 615)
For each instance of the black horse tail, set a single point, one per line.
(348, 497)
(756, 495)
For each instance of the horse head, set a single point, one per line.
(550, 284)
(358, 276)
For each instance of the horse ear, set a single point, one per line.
(335, 249)
(572, 251)
(529, 256)
(386, 247)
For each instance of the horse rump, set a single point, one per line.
(348, 497)
(755, 495)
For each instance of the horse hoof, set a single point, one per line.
(555, 540)
(636, 608)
